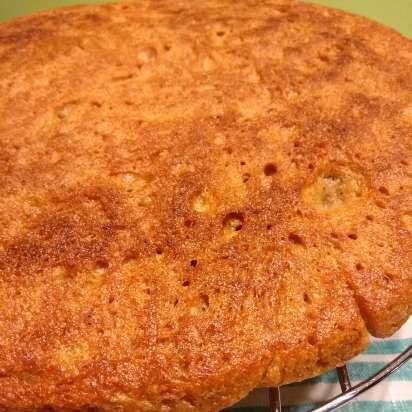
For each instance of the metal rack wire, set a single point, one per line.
(349, 392)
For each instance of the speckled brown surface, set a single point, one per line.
(197, 198)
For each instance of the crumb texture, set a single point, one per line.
(196, 199)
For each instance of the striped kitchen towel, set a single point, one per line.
(392, 395)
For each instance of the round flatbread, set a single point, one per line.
(197, 198)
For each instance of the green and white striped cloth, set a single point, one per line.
(392, 395)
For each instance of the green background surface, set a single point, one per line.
(395, 13)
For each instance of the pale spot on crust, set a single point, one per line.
(129, 178)
(55, 157)
(145, 201)
(59, 273)
(408, 113)
(253, 76)
(122, 398)
(70, 358)
(332, 190)
(277, 133)
(219, 140)
(182, 167)
(407, 221)
(254, 106)
(208, 64)
(146, 54)
(66, 110)
(202, 203)
(132, 181)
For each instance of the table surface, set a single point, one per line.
(395, 13)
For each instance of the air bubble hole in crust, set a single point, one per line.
(388, 277)
(296, 239)
(101, 267)
(246, 177)
(359, 267)
(270, 169)
(312, 340)
(204, 302)
(189, 223)
(384, 190)
(130, 259)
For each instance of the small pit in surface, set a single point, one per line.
(67, 110)
(270, 169)
(130, 259)
(245, 177)
(296, 239)
(189, 223)
(101, 267)
(201, 305)
(384, 190)
(232, 224)
(204, 302)
(359, 267)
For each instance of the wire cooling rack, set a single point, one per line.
(349, 392)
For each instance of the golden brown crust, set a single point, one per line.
(197, 199)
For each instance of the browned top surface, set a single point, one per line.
(197, 197)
